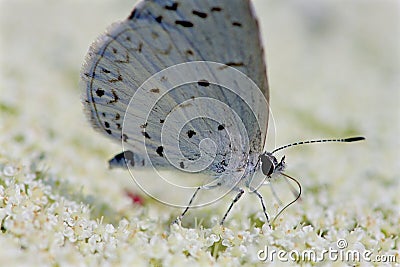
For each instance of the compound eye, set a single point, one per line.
(267, 166)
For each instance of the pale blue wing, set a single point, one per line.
(158, 35)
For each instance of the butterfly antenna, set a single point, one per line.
(293, 201)
(342, 140)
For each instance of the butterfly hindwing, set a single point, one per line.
(160, 34)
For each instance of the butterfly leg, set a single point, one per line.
(241, 191)
(263, 206)
(188, 206)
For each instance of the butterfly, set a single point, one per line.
(183, 86)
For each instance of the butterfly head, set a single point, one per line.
(271, 165)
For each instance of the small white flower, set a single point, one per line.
(70, 222)
(192, 234)
(69, 233)
(123, 224)
(29, 178)
(158, 248)
(209, 241)
(228, 234)
(10, 170)
(93, 242)
(110, 229)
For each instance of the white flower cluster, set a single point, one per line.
(47, 228)
(42, 225)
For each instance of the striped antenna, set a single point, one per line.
(345, 140)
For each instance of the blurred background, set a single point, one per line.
(333, 69)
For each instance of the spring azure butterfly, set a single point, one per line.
(183, 86)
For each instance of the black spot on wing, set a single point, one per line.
(184, 23)
(172, 7)
(237, 24)
(199, 14)
(140, 47)
(159, 19)
(190, 133)
(115, 97)
(99, 92)
(216, 9)
(221, 127)
(126, 60)
(204, 83)
(235, 64)
(118, 79)
(159, 151)
(145, 134)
